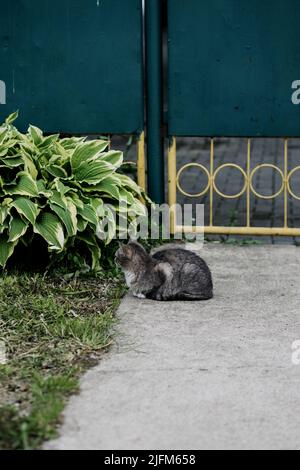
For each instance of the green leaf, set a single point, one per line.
(6, 250)
(127, 197)
(3, 213)
(25, 186)
(48, 141)
(67, 213)
(26, 208)
(87, 151)
(98, 205)
(30, 166)
(12, 162)
(107, 186)
(3, 151)
(113, 157)
(96, 255)
(91, 243)
(17, 228)
(3, 134)
(3, 227)
(93, 172)
(42, 189)
(49, 227)
(88, 213)
(124, 180)
(70, 143)
(36, 135)
(12, 117)
(61, 188)
(57, 171)
(81, 224)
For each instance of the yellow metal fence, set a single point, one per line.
(174, 186)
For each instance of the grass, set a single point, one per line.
(52, 329)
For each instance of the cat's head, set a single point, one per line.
(131, 257)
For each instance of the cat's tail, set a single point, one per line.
(203, 296)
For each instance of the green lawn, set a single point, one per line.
(53, 329)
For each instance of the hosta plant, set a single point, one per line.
(65, 190)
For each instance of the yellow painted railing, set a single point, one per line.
(174, 185)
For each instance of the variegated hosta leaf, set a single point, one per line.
(96, 255)
(57, 171)
(49, 227)
(3, 227)
(4, 210)
(113, 157)
(3, 134)
(98, 205)
(36, 135)
(66, 210)
(70, 143)
(17, 228)
(12, 117)
(127, 197)
(93, 172)
(91, 243)
(25, 186)
(48, 141)
(26, 208)
(88, 213)
(81, 224)
(128, 183)
(108, 187)
(43, 191)
(31, 168)
(86, 152)
(13, 161)
(6, 249)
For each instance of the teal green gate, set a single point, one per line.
(73, 66)
(232, 64)
(233, 67)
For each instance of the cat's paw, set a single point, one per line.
(138, 295)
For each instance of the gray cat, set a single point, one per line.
(169, 274)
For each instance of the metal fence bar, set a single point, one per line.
(211, 199)
(248, 182)
(172, 179)
(141, 161)
(286, 183)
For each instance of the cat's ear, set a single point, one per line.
(127, 250)
(135, 244)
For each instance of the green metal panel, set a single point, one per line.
(231, 67)
(73, 66)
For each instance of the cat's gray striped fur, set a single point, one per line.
(169, 274)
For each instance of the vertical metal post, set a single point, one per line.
(154, 100)
(248, 182)
(286, 195)
(141, 161)
(212, 169)
(172, 186)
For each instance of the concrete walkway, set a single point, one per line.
(201, 375)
